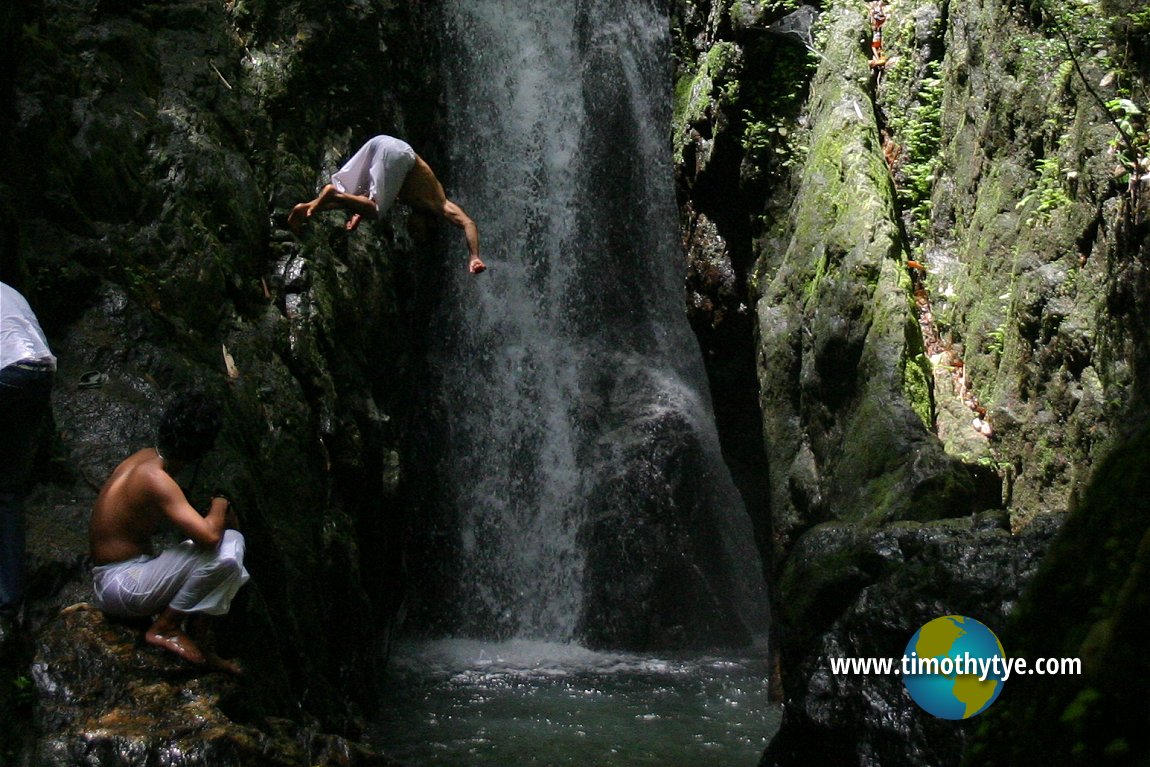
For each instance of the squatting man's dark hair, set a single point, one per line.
(189, 426)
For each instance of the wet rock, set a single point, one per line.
(712, 283)
(857, 592)
(1089, 601)
(666, 556)
(107, 697)
(170, 139)
(674, 569)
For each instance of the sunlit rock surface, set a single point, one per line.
(949, 286)
(107, 697)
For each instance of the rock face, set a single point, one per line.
(855, 590)
(109, 698)
(946, 285)
(665, 572)
(884, 256)
(165, 143)
(842, 380)
(1088, 601)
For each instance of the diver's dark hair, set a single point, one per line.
(189, 426)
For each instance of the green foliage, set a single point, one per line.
(772, 136)
(1132, 147)
(1140, 21)
(779, 7)
(715, 81)
(1126, 112)
(820, 32)
(1065, 74)
(23, 689)
(918, 132)
(1048, 194)
(1088, 33)
(996, 341)
(1084, 23)
(723, 63)
(1039, 59)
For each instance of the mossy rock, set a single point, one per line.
(1099, 616)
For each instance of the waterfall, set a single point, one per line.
(575, 439)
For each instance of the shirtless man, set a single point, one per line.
(192, 580)
(383, 170)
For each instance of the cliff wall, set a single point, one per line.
(946, 275)
(151, 152)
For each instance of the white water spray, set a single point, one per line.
(547, 366)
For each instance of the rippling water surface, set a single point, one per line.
(462, 702)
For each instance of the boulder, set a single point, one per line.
(861, 593)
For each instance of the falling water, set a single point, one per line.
(572, 355)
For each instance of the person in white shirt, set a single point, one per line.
(384, 170)
(27, 368)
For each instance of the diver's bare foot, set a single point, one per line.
(298, 217)
(476, 266)
(216, 663)
(177, 642)
(353, 222)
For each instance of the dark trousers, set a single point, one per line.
(24, 403)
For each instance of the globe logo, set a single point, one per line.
(953, 667)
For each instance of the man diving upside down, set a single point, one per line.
(384, 170)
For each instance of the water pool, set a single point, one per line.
(472, 703)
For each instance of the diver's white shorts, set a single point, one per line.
(377, 171)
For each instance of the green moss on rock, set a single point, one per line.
(1100, 616)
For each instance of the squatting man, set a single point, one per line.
(183, 585)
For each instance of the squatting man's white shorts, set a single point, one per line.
(186, 578)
